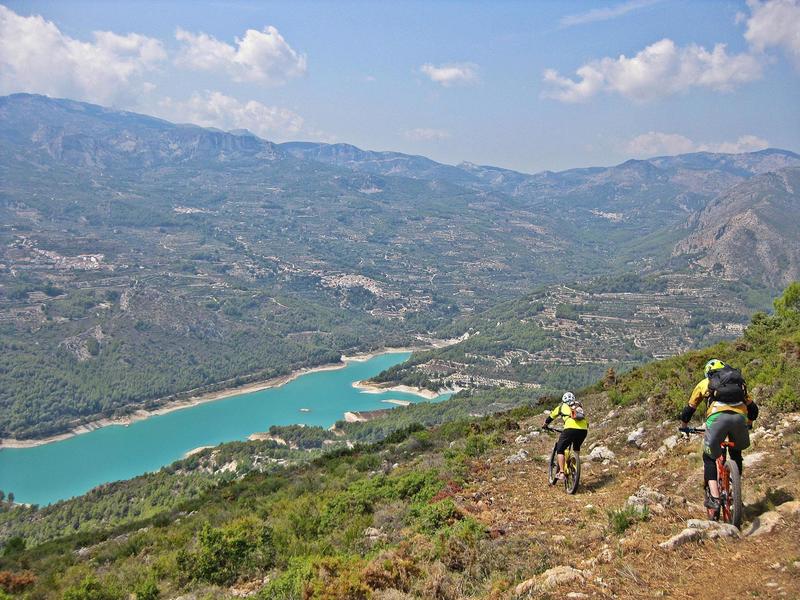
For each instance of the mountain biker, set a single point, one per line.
(576, 427)
(727, 415)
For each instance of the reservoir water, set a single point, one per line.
(59, 470)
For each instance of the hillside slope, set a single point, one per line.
(751, 230)
(464, 511)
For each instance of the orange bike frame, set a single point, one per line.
(723, 476)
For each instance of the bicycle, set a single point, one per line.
(729, 480)
(572, 466)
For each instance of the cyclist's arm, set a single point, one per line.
(698, 395)
(752, 409)
(552, 416)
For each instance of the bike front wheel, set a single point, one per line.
(735, 506)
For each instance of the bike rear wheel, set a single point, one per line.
(735, 505)
(573, 472)
(553, 469)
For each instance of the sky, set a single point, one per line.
(529, 86)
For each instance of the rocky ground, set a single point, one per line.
(668, 549)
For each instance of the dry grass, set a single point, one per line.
(516, 501)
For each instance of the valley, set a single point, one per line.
(460, 508)
(144, 261)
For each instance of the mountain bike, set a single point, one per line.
(729, 479)
(572, 466)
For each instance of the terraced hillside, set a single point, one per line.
(567, 336)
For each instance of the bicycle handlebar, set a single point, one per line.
(691, 430)
(552, 429)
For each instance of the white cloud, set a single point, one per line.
(425, 134)
(775, 24)
(605, 13)
(260, 56)
(660, 69)
(36, 57)
(656, 143)
(451, 74)
(215, 109)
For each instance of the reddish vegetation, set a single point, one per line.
(16, 582)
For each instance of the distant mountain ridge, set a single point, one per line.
(94, 136)
(62, 124)
(635, 199)
(599, 208)
(751, 230)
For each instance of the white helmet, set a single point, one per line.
(568, 398)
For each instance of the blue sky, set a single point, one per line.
(524, 85)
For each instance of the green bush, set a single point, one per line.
(91, 589)
(147, 589)
(288, 585)
(223, 553)
(476, 445)
(621, 519)
(433, 517)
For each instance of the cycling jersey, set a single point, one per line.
(562, 410)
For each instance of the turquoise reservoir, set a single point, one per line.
(59, 470)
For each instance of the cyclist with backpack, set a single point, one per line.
(576, 427)
(729, 414)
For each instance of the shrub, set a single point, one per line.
(458, 548)
(393, 569)
(289, 584)
(16, 582)
(432, 517)
(91, 589)
(223, 553)
(622, 518)
(147, 589)
(476, 445)
(337, 577)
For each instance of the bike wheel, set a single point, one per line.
(553, 469)
(734, 494)
(573, 472)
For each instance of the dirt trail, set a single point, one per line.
(515, 502)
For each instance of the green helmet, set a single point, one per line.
(713, 365)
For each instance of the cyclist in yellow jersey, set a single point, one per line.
(576, 427)
(729, 414)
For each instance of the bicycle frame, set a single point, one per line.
(724, 479)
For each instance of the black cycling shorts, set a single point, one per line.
(573, 437)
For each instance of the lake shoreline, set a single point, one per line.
(171, 406)
(377, 388)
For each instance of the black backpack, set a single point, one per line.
(727, 385)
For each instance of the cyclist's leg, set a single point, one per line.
(563, 443)
(710, 474)
(739, 435)
(578, 437)
(716, 432)
(736, 456)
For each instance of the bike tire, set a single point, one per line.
(574, 472)
(551, 471)
(735, 494)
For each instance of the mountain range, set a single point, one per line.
(140, 259)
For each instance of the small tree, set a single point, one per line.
(11, 497)
(789, 301)
(610, 378)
